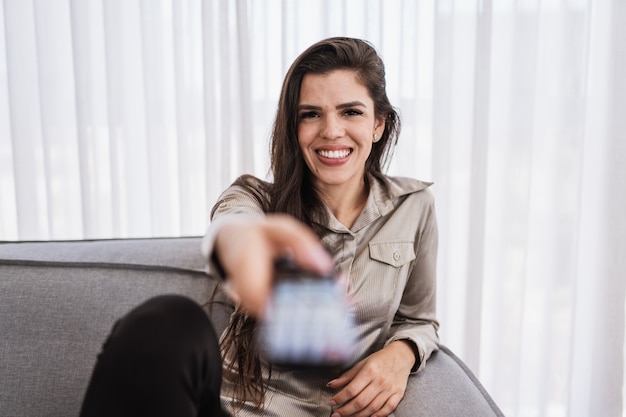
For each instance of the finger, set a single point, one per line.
(300, 241)
(364, 404)
(351, 392)
(389, 406)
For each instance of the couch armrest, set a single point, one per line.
(446, 388)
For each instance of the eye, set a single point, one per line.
(353, 112)
(308, 115)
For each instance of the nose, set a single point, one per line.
(331, 128)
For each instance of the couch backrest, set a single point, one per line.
(59, 300)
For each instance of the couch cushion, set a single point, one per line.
(59, 300)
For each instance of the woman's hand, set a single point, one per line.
(375, 385)
(247, 249)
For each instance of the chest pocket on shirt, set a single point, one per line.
(395, 254)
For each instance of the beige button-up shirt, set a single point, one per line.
(389, 256)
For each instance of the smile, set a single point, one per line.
(335, 154)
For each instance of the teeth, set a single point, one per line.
(335, 154)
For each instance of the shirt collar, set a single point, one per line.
(380, 201)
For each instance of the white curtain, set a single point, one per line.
(126, 118)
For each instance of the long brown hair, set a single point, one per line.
(292, 190)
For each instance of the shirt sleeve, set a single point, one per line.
(234, 204)
(415, 321)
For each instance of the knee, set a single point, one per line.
(164, 323)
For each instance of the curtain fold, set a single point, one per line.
(600, 288)
(128, 118)
(88, 66)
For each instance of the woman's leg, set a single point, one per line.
(161, 359)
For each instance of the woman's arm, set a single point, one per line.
(242, 244)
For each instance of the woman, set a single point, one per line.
(333, 133)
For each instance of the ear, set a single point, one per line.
(379, 127)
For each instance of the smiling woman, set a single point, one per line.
(372, 235)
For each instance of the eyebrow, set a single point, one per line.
(349, 104)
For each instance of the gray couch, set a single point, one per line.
(58, 301)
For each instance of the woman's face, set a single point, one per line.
(336, 128)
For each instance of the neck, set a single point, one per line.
(346, 204)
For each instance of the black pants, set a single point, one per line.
(161, 359)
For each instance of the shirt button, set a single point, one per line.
(396, 256)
